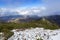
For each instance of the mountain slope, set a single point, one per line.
(6, 18)
(54, 19)
(19, 17)
(41, 23)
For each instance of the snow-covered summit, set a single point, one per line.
(36, 33)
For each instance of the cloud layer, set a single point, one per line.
(48, 7)
(27, 11)
(40, 11)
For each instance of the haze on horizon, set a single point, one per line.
(29, 7)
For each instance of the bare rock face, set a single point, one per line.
(36, 33)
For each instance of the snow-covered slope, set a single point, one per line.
(1, 36)
(36, 33)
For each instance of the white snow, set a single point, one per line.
(1, 36)
(36, 33)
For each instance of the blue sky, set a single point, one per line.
(30, 7)
(20, 3)
(29, 3)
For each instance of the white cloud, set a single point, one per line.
(32, 11)
(44, 10)
(48, 8)
(27, 11)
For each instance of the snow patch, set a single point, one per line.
(36, 33)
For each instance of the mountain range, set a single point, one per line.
(22, 18)
(24, 22)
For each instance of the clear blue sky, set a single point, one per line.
(20, 3)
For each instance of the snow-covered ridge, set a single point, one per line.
(36, 33)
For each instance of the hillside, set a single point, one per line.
(41, 23)
(54, 18)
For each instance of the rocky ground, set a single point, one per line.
(35, 34)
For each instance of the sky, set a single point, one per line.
(29, 7)
(19, 3)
